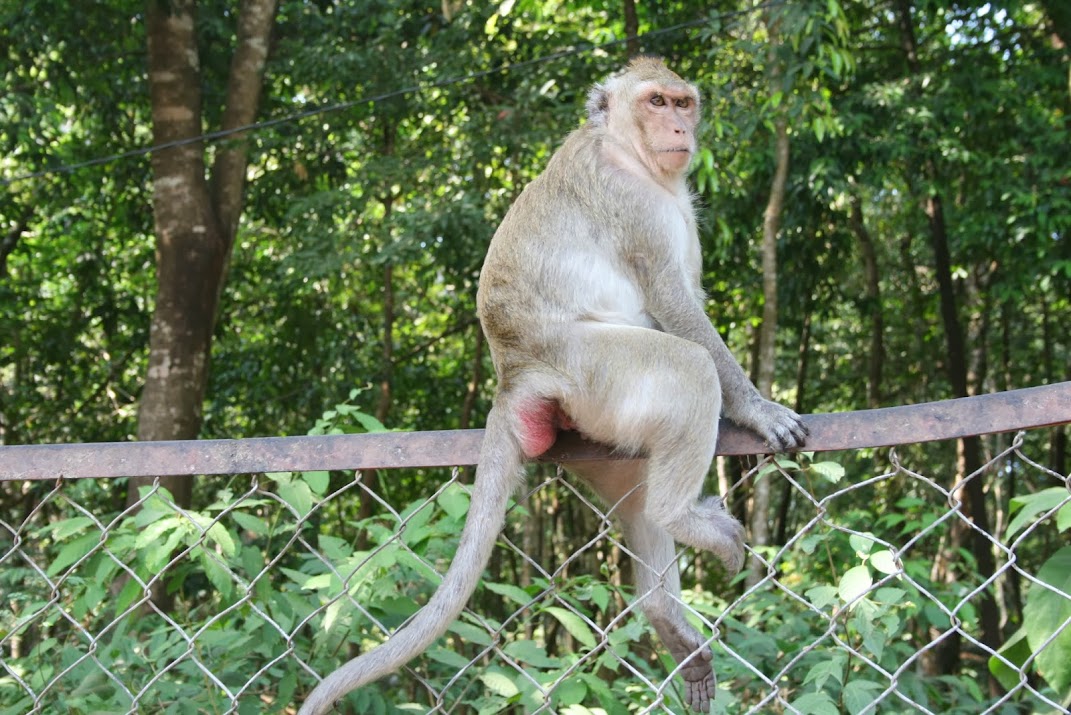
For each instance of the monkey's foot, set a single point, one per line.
(728, 533)
(690, 650)
(699, 683)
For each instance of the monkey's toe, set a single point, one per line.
(699, 681)
(696, 658)
(699, 693)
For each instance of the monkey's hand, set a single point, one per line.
(781, 428)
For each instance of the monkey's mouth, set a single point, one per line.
(681, 150)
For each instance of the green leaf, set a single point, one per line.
(1044, 612)
(499, 684)
(823, 670)
(600, 595)
(218, 575)
(219, 534)
(66, 527)
(706, 157)
(810, 542)
(315, 583)
(450, 658)
(297, 495)
(455, 501)
(1063, 518)
(530, 652)
(884, 561)
(578, 709)
(875, 641)
(816, 704)
(334, 548)
(570, 692)
(251, 523)
(318, 481)
(854, 583)
(859, 696)
(152, 533)
(156, 555)
(830, 471)
(514, 593)
(606, 696)
(1031, 505)
(861, 543)
(890, 595)
(131, 592)
(1016, 650)
(822, 596)
(72, 552)
(91, 599)
(370, 423)
(471, 633)
(574, 624)
(936, 616)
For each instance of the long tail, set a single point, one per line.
(499, 471)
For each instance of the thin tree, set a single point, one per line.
(767, 343)
(948, 651)
(196, 207)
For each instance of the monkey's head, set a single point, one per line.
(650, 109)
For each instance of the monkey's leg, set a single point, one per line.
(658, 586)
(641, 389)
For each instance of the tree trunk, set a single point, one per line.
(784, 507)
(367, 506)
(386, 381)
(969, 451)
(195, 218)
(472, 390)
(767, 357)
(873, 308)
(632, 28)
(1059, 12)
(11, 240)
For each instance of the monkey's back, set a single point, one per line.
(537, 283)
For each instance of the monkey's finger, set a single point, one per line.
(787, 439)
(798, 435)
(794, 436)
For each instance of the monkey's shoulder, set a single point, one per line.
(597, 178)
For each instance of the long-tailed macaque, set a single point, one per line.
(591, 303)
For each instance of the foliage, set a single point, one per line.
(254, 567)
(1043, 642)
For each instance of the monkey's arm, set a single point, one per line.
(672, 302)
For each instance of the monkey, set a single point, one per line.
(591, 304)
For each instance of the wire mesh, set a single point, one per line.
(241, 605)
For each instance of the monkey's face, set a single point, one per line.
(667, 116)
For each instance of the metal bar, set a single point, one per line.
(949, 419)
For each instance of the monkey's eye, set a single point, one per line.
(658, 100)
(684, 102)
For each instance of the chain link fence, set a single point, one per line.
(871, 601)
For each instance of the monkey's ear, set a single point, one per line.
(598, 105)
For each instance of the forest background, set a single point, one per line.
(225, 219)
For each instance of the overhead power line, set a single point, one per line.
(437, 84)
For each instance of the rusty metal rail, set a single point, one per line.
(949, 419)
